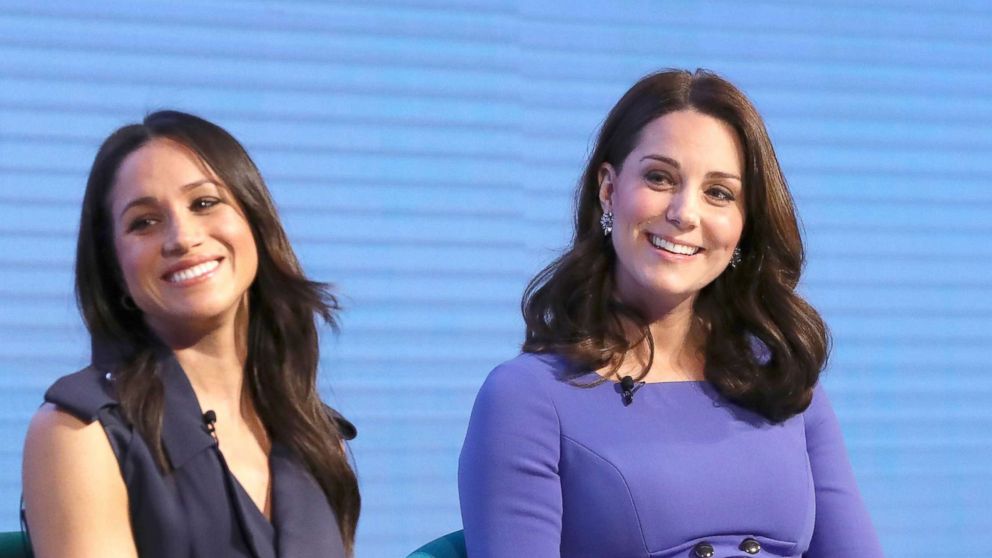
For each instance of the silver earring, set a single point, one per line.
(736, 258)
(128, 303)
(606, 221)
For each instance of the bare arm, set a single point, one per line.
(74, 495)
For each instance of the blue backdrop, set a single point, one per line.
(423, 154)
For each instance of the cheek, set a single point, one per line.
(726, 229)
(634, 209)
(250, 256)
(243, 242)
(135, 261)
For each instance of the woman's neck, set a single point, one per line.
(216, 372)
(674, 348)
(213, 357)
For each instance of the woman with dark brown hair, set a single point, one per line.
(198, 430)
(667, 401)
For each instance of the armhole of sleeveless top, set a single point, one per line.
(119, 435)
(88, 396)
(91, 407)
(119, 438)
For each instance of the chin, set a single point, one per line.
(672, 287)
(200, 312)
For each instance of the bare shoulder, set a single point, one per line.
(74, 495)
(51, 422)
(57, 441)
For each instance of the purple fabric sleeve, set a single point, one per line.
(843, 528)
(508, 472)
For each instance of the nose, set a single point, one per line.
(683, 211)
(183, 232)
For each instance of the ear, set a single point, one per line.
(607, 177)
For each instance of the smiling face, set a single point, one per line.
(678, 207)
(185, 250)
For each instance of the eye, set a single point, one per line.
(721, 194)
(659, 178)
(141, 223)
(204, 203)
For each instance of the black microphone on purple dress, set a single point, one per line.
(628, 387)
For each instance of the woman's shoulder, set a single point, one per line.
(72, 483)
(527, 370)
(518, 396)
(83, 394)
(820, 411)
(64, 439)
(527, 381)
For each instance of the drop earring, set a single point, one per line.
(735, 258)
(606, 221)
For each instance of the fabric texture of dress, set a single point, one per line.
(551, 469)
(199, 509)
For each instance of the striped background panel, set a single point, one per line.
(423, 155)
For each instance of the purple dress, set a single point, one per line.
(550, 469)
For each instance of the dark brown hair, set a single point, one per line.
(765, 346)
(283, 349)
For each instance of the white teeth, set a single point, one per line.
(192, 272)
(659, 242)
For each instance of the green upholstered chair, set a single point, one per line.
(14, 544)
(451, 545)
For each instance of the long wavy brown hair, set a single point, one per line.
(283, 349)
(764, 346)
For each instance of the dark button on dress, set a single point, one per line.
(750, 545)
(199, 509)
(703, 550)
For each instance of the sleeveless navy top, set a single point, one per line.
(199, 509)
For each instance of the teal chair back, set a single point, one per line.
(14, 544)
(451, 545)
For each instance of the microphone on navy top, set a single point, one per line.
(628, 387)
(209, 420)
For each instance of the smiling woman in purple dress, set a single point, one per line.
(667, 401)
(198, 430)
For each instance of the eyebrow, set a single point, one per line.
(149, 200)
(674, 163)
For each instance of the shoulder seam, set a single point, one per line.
(83, 394)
